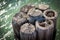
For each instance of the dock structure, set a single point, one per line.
(35, 22)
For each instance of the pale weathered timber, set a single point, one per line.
(45, 30)
(28, 32)
(26, 8)
(17, 21)
(51, 15)
(43, 6)
(42, 17)
(34, 14)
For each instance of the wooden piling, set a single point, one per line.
(51, 15)
(43, 7)
(28, 32)
(45, 30)
(26, 8)
(17, 21)
(33, 15)
(34, 12)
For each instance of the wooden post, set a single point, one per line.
(33, 15)
(51, 15)
(45, 30)
(28, 16)
(34, 12)
(26, 8)
(28, 32)
(17, 21)
(43, 7)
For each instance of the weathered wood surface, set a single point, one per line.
(51, 15)
(28, 32)
(45, 30)
(30, 17)
(34, 12)
(17, 21)
(43, 7)
(26, 8)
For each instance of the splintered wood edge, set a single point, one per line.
(27, 28)
(47, 26)
(54, 17)
(34, 12)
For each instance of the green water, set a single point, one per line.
(13, 6)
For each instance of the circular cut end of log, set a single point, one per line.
(50, 14)
(44, 25)
(34, 12)
(19, 18)
(27, 28)
(26, 8)
(43, 6)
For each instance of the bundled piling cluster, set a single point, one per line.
(35, 23)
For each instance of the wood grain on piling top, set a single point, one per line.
(26, 8)
(45, 25)
(50, 14)
(27, 28)
(43, 6)
(34, 12)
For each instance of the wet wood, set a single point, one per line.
(28, 32)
